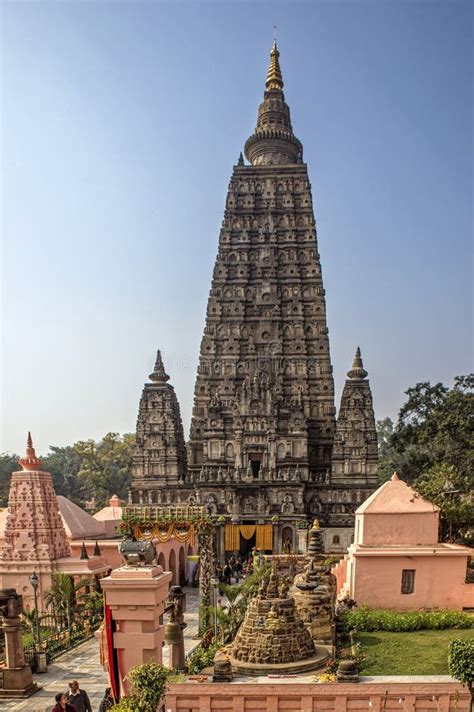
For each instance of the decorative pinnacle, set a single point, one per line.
(357, 371)
(394, 477)
(30, 462)
(274, 76)
(159, 373)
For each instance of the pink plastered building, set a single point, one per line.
(396, 560)
(46, 533)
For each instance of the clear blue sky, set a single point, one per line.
(121, 122)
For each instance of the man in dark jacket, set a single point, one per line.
(79, 699)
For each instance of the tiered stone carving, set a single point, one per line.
(314, 593)
(273, 637)
(355, 454)
(263, 417)
(159, 460)
(263, 421)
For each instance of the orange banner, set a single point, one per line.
(232, 538)
(264, 538)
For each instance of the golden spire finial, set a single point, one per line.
(274, 77)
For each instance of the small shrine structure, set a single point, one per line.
(396, 560)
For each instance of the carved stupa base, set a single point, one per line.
(300, 666)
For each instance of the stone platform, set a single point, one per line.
(297, 668)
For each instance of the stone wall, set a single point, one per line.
(337, 540)
(290, 697)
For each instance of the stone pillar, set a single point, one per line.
(136, 596)
(17, 680)
(302, 541)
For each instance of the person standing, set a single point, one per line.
(227, 573)
(79, 699)
(62, 703)
(107, 701)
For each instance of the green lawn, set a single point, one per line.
(422, 652)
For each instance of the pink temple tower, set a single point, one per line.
(35, 538)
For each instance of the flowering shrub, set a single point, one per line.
(377, 619)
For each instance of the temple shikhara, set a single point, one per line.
(265, 449)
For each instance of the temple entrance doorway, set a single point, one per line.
(246, 545)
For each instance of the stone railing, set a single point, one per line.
(423, 694)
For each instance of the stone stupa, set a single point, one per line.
(313, 592)
(272, 638)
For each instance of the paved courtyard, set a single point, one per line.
(82, 664)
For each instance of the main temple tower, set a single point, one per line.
(263, 424)
(264, 417)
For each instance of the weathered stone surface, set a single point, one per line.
(263, 421)
(314, 592)
(159, 460)
(273, 634)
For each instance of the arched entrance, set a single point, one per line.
(162, 561)
(287, 540)
(247, 543)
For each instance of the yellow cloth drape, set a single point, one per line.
(165, 532)
(264, 538)
(247, 530)
(232, 537)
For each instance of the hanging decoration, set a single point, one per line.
(185, 524)
(164, 523)
(263, 536)
(182, 531)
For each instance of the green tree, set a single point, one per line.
(451, 492)
(231, 615)
(385, 430)
(8, 464)
(461, 664)
(148, 686)
(105, 466)
(64, 465)
(61, 597)
(434, 426)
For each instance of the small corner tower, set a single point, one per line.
(34, 537)
(34, 530)
(159, 459)
(355, 455)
